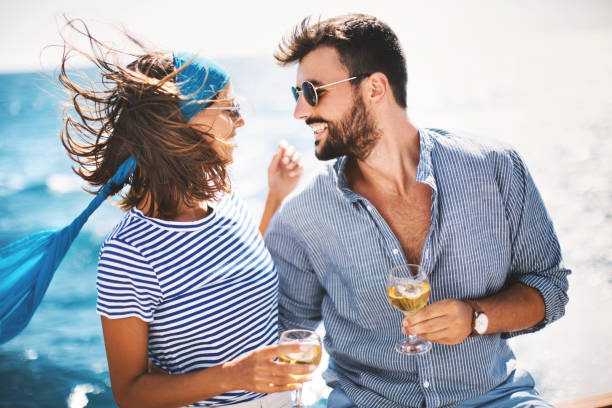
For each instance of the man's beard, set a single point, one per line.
(355, 135)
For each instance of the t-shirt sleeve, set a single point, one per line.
(127, 284)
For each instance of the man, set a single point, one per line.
(467, 212)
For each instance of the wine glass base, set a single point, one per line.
(413, 348)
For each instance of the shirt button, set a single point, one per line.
(426, 384)
(369, 208)
(395, 251)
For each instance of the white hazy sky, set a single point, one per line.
(242, 28)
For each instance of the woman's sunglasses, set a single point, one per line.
(310, 91)
(233, 110)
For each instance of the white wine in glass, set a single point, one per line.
(408, 291)
(311, 354)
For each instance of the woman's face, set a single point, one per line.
(221, 120)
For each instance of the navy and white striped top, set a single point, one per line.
(208, 289)
(489, 227)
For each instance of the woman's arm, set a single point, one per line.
(284, 173)
(134, 386)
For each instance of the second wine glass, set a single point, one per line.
(311, 354)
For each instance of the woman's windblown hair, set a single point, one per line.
(134, 111)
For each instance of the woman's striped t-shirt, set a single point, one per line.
(207, 289)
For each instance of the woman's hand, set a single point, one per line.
(258, 372)
(284, 171)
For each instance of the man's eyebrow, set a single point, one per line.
(312, 81)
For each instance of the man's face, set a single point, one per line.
(340, 121)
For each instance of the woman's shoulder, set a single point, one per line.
(125, 228)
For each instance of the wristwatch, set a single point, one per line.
(480, 323)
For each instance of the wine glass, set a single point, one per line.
(408, 291)
(311, 343)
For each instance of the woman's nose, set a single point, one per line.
(240, 122)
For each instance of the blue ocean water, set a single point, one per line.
(556, 111)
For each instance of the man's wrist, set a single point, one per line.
(480, 321)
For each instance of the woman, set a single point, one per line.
(184, 280)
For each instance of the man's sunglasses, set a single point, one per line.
(310, 91)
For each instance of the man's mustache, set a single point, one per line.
(310, 121)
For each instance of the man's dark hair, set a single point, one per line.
(364, 43)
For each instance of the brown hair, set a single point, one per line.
(136, 113)
(364, 43)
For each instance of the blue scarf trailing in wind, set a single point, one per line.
(27, 265)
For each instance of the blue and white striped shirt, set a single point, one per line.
(208, 289)
(488, 228)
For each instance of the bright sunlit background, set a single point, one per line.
(535, 74)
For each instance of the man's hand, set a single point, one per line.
(446, 322)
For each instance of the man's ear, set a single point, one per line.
(377, 87)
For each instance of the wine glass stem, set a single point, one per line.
(412, 338)
(298, 397)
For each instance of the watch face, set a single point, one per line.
(481, 323)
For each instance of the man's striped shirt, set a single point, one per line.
(488, 228)
(207, 289)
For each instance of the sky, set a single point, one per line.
(249, 28)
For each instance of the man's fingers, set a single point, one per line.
(434, 335)
(431, 311)
(429, 326)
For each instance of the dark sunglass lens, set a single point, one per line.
(295, 92)
(310, 94)
(235, 113)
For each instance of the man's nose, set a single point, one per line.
(302, 109)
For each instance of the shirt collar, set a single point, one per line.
(424, 174)
(425, 169)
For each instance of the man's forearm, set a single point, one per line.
(516, 308)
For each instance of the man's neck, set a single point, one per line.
(392, 164)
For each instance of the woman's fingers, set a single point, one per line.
(280, 388)
(288, 155)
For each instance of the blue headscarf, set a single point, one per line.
(199, 81)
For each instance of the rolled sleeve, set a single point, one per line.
(536, 253)
(300, 292)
